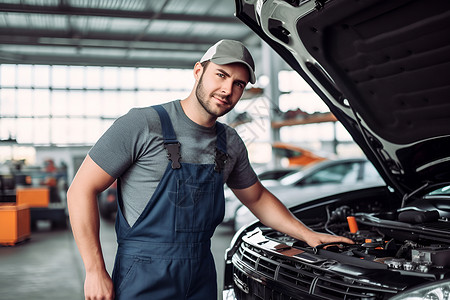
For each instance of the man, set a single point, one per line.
(171, 162)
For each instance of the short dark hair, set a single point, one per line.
(205, 63)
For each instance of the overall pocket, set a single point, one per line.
(127, 273)
(195, 206)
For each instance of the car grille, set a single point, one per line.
(281, 278)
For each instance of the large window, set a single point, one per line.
(66, 105)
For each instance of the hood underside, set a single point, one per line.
(386, 62)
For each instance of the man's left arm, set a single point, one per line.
(271, 212)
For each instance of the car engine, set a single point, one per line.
(392, 251)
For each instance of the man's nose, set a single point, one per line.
(227, 87)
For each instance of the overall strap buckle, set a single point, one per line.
(173, 154)
(221, 156)
(171, 143)
(220, 160)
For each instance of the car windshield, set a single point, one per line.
(291, 178)
(338, 172)
(276, 174)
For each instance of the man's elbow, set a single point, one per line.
(77, 193)
(252, 195)
(71, 196)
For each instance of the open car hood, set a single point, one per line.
(383, 69)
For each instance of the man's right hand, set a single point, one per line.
(98, 286)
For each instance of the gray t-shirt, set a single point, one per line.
(132, 149)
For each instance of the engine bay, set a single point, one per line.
(394, 250)
(414, 243)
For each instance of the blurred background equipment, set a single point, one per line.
(107, 202)
(14, 223)
(41, 189)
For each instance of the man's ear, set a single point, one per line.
(198, 70)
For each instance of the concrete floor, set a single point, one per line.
(48, 265)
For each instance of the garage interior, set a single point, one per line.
(69, 68)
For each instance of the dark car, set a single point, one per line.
(383, 69)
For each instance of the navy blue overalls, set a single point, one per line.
(166, 253)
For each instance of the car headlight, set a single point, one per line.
(434, 291)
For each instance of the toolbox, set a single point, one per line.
(14, 223)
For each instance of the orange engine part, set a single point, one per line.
(352, 225)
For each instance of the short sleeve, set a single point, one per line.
(242, 174)
(119, 146)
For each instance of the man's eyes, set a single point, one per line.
(239, 84)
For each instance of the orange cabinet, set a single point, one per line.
(34, 197)
(14, 223)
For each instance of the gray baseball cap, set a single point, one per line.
(229, 51)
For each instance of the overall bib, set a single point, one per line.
(166, 253)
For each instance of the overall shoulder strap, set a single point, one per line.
(171, 143)
(221, 142)
(167, 127)
(221, 147)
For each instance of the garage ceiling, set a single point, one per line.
(139, 33)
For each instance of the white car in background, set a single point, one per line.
(268, 175)
(310, 182)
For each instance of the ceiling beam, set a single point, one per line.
(112, 13)
(102, 43)
(37, 59)
(30, 34)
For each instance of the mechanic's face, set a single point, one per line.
(220, 87)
